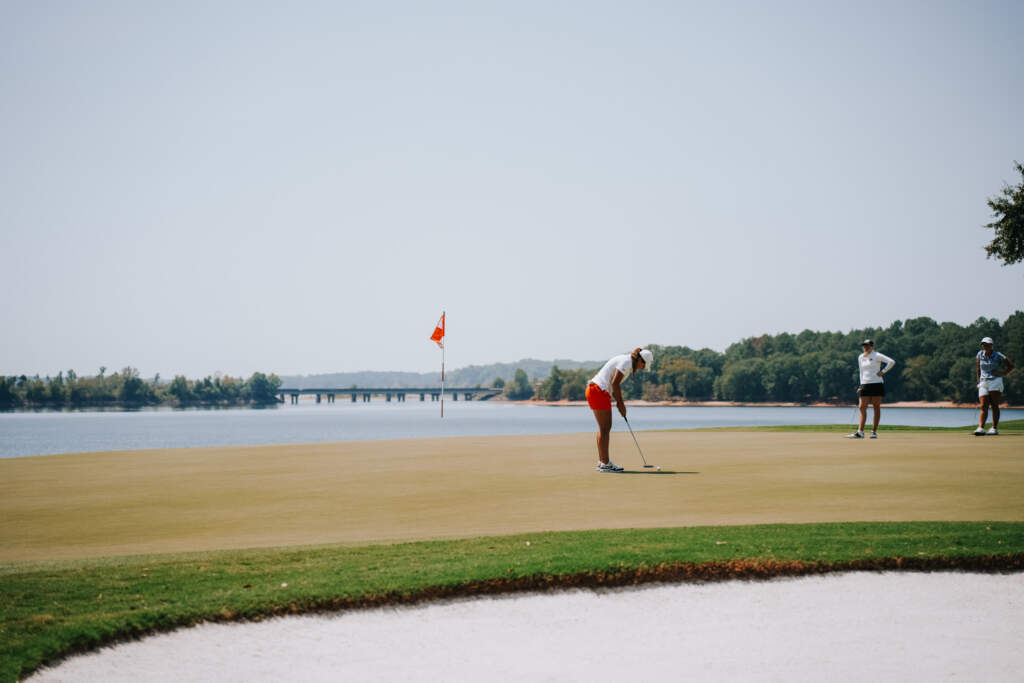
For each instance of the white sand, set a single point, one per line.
(857, 626)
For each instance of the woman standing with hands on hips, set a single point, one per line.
(602, 387)
(872, 386)
(992, 366)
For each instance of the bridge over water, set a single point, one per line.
(398, 394)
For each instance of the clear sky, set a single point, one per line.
(193, 187)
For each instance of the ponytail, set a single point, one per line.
(635, 357)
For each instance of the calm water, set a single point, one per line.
(23, 434)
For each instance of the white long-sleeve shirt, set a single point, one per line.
(871, 364)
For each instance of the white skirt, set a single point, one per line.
(987, 385)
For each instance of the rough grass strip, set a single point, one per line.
(664, 573)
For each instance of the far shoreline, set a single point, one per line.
(637, 403)
(767, 404)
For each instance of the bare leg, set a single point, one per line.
(983, 412)
(604, 425)
(876, 402)
(994, 397)
(863, 412)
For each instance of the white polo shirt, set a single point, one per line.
(603, 378)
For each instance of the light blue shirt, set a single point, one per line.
(990, 364)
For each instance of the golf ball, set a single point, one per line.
(659, 468)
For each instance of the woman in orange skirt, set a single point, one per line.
(603, 386)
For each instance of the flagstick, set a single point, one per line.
(442, 371)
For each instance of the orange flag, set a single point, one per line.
(438, 335)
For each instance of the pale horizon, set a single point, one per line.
(451, 368)
(197, 188)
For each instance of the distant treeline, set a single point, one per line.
(128, 389)
(469, 376)
(935, 362)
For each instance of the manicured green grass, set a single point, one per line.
(1007, 426)
(51, 609)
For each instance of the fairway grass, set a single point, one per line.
(100, 547)
(196, 499)
(52, 609)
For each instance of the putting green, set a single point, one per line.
(176, 500)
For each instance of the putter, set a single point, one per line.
(637, 444)
(856, 410)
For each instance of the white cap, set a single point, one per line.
(647, 356)
(987, 340)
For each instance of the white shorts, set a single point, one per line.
(987, 385)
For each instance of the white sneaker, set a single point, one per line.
(993, 432)
(608, 467)
(855, 435)
(980, 431)
(874, 435)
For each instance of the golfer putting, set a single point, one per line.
(607, 383)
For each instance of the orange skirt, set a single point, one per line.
(598, 398)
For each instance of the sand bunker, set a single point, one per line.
(857, 626)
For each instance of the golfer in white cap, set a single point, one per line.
(603, 386)
(992, 366)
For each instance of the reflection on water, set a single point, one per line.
(24, 434)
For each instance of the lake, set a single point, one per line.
(41, 433)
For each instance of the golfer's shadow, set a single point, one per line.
(654, 472)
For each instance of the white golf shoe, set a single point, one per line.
(874, 435)
(980, 431)
(608, 467)
(855, 435)
(992, 432)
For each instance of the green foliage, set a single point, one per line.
(263, 389)
(37, 392)
(787, 378)
(959, 384)
(565, 384)
(656, 392)
(519, 388)
(1008, 242)
(1012, 344)
(57, 390)
(9, 398)
(551, 388)
(135, 392)
(685, 377)
(127, 389)
(835, 375)
(743, 380)
(935, 362)
(181, 389)
(922, 377)
(574, 383)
